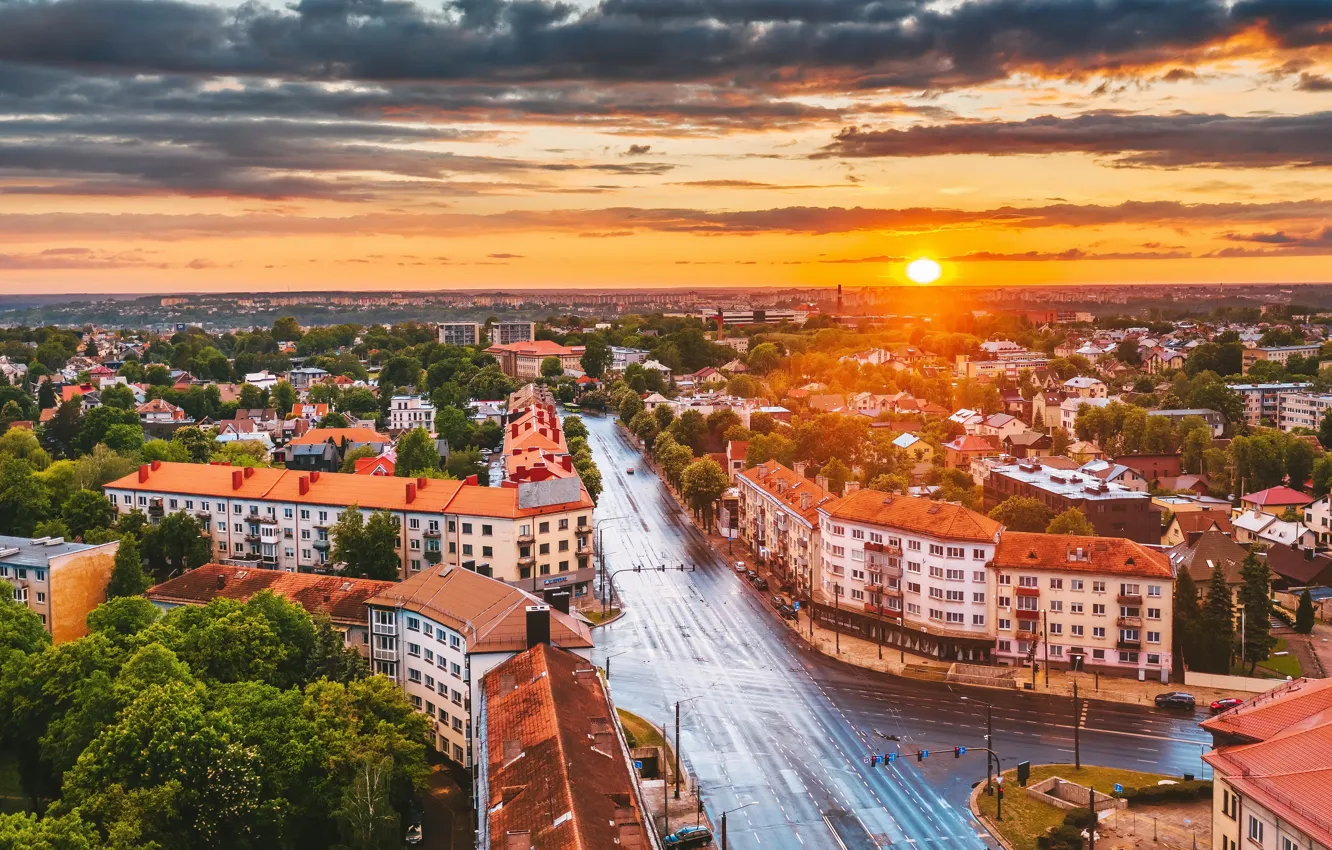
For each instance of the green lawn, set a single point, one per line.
(1026, 818)
(643, 733)
(595, 615)
(1274, 667)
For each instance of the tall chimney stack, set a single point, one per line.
(538, 625)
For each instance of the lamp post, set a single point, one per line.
(989, 737)
(723, 816)
(1045, 639)
(837, 617)
(608, 658)
(601, 556)
(678, 703)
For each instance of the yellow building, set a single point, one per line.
(58, 580)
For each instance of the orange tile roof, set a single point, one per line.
(534, 348)
(337, 489)
(973, 443)
(789, 487)
(339, 435)
(1279, 495)
(1265, 715)
(342, 599)
(491, 614)
(1074, 553)
(557, 767)
(924, 516)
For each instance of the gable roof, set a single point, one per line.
(789, 487)
(1075, 553)
(339, 436)
(492, 615)
(1211, 551)
(924, 516)
(1278, 495)
(342, 599)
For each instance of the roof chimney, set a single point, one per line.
(411, 492)
(822, 481)
(806, 499)
(472, 479)
(850, 487)
(560, 601)
(236, 478)
(421, 482)
(303, 485)
(567, 462)
(157, 464)
(314, 476)
(249, 470)
(800, 468)
(143, 472)
(538, 625)
(221, 580)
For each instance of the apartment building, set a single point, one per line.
(524, 359)
(1085, 387)
(1262, 401)
(1083, 603)
(779, 520)
(439, 632)
(410, 411)
(57, 580)
(622, 357)
(1114, 510)
(459, 333)
(549, 740)
(1301, 410)
(908, 571)
(1276, 354)
(1272, 777)
(535, 534)
(508, 333)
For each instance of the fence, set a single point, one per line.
(1247, 684)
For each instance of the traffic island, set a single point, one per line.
(1146, 816)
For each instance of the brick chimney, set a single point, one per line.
(538, 625)
(806, 500)
(421, 483)
(237, 478)
(314, 476)
(157, 464)
(143, 472)
(303, 484)
(567, 462)
(850, 487)
(822, 481)
(800, 468)
(411, 492)
(249, 470)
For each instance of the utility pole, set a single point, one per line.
(665, 798)
(880, 626)
(1077, 726)
(677, 749)
(1091, 830)
(1045, 639)
(989, 742)
(837, 617)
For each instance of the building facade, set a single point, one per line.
(459, 333)
(537, 535)
(507, 333)
(1262, 401)
(59, 581)
(410, 411)
(1113, 510)
(779, 521)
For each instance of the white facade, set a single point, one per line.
(1248, 820)
(409, 411)
(459, 333)
(1262, 401)
(1301, 410)
(621, 357)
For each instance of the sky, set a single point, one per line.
(164, 145)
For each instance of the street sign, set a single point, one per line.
(961, 751)
(796, 604)
(892, 757)
(1119, 789)
(1023, 773)
(638, 764)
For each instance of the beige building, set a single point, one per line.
(1272, 765)
(537, 535)
(779, 520)
(59, 581)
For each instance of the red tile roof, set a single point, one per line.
(1074, 553)
(923, 516)
(342, 599)
(558, 772)
(339, 435)
(789, 487)
(1279, 495)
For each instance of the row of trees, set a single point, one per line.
(1206, 628)
(225, 726)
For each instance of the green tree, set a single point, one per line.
(453, 425)
(1021, 513)
(127, 575)
(175, 545)
(97, 424)
(1325, 432)
(1127, 353)
(62, 431)
(764, 358)
(630, 406)
(366, 548)
(24, 500)
(837, 474)
(349, 461)
(574, 427)
(282, 397)
(596, 356)
(691, 430)
(417, 454)
(366, 815)
(22, 443)
(86, 510)
(46, 395)
(644, 427)
(195, 442)
(1071, 521)
(703, 483)
(1255, 601)
(21, 630)
(1299, 458)
(118, 395)
(1059, 442)
(333, 419)
(1216, 626)
(465, 463)
(287, 329)
(1304, 614)
(1188, 616)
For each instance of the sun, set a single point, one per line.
(923, 270)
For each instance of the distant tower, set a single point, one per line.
(839, 299)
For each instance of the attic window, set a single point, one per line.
(933, 509)
(1031, 556)
(242, 574)
(1130, 561)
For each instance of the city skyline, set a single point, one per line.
(188, 146)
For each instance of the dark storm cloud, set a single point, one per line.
(1157, 141)
(871, 44)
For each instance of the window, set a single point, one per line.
(1005, 625)
(1098, 610)
(1126, 657)
(936, 614)
(455, 671)
(913, 608)
(936, 572)
(414, 523)
(543, 528)
(1075, 607)
(1005, 646)
(1229, 804)
(1154, 590)
(978, 555)
(414, 650)
(1098, 631)
(956, 552)
(1028, 581)
(1005, 580)
(488, 530)
(913, 545)
(857, 594)
(977, 619)
(1154, 659)
(956, 617)
(487, 551)
(467, 528)
(1056, 628)
(955, 575)
(1153, 613)
(1056, 584)
(413, 624)
(936, 593)
(1098, 587)
(1153, 637)
(1129, 590)
(978, 598)
(1098, 654)
(838, 529)
(1056, 651)
(414, 675)
(1004, 601)
(1076, 630)
(913, 566)
(913, 587)
(1056, 606)
(936, 549)
(1075, 584)
(956, 596)
(467, 549)
(857, 534)
(1255, 829)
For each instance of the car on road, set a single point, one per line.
(751, 574)
(413, 835)
(1175, 699)
(629, 470)
(740, 566)
(689, 836)
(761, 583)
(1225, 704)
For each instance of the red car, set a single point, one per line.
(1226, 704)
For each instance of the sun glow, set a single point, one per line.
(923, 270)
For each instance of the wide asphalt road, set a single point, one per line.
(784, 731)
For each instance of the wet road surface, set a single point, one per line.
(786, 732)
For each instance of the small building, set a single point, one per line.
(1275, 500)
(917, 449)
(58, 580)
(961, 451)
(1213, 418)
(410, 411)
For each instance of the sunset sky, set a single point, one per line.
(180, 146)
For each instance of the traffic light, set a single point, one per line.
(890, 757)
(957, 752)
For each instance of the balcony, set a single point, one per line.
(322, 545)
(526, 538)
(884, 548)
(264, 520)
(252, 537)
(584, 549)
(431, 534)
(526, 561)
(1025, 635)
(385, 629)
(1122, 643)
(385, 654)
(433, 555)
(1129, 599)
(1130, 622)
(1027, 591)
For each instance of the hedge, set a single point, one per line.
(1196, 789)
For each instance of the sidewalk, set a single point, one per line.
(863, 653)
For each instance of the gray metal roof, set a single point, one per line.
(33, 554)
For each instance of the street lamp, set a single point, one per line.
(678, 703)
(727, 812)
(601, 552)
(609, 657)
(1045, 639)
(989, 737)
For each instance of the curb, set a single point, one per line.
(984, 820)
(609, 621)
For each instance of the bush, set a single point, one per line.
(1079, 818)
(1282, 615)
(1180, 792)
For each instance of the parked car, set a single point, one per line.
(1175, 699)
(740, 566)
(751, 574)
(413, 835)
(777, 601)
(788, 612)
(689, 836)
(1226, 704)
(761, 583)
(629, 470)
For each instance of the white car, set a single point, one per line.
(629, 470)
(740, 566)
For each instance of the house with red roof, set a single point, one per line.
(1275, 500)
(960, 452)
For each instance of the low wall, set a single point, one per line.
(1070, 795)
(983, 675)
(1246, 684)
